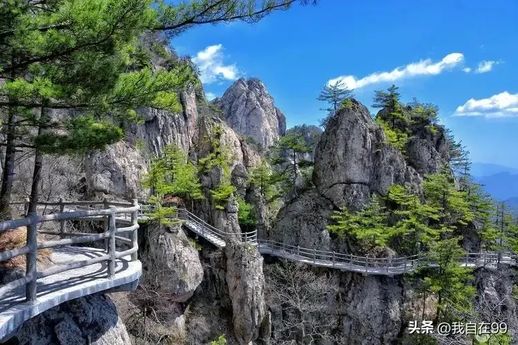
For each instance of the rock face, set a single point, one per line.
(245, 282)
(495, 301)
(250, 110)
(427, 152)
(352, 160)
(88, 320)
(118, 170)
(171, 262)
(243, 158)
(303, 222)
(372, 313)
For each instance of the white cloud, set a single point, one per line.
(482, 67)
(423, 67)
(501, 105)
(211, 66)
(210, 96)
(485, 66)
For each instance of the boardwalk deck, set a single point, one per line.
(56, 289)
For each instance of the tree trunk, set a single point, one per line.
(38, 164)
(8, 170)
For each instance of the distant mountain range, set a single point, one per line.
(499, 181)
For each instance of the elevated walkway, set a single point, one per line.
(78, 267)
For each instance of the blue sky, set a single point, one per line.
(443, 52)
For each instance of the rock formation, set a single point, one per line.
(170, 260)
(353, 160)
(250, 110)
(88, 320)
(245, 282)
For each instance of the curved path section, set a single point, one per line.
(81, 263)
(56, 289)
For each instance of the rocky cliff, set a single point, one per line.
(353, 161)
(88, 320)
(250, 110)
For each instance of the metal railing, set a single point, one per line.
(207, 229)
(349, 262)
(108, 212)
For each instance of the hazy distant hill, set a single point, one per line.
(487, 169)
(499, 181)
(513, 205)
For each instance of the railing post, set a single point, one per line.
(298, 250)
(31, 258)
(134, 233)
(333, 258)
(26, 207)
(106, 225)
(61, 222)
(314, 255)
(112, 228)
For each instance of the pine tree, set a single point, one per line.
(369, 226)
(78, 55)
(411, 218)
(84, 55)
(392, 118)
(287, 156)
(264, 180)
(171, 174)
(246, 215)
(218, 158)
(449, 281)
(440, 192)
(333, 94)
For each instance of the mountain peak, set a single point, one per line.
(250, 110)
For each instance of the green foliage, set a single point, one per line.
(246, 215)
(264, 180)
(453, 205)
(392, 112)
(369, 225)
(173, 174)
(310, 134)
(426, 226)
(82, 133)
(493, 339)
(395, 137)
(346, 103)
(459, 156)
(218, 158)
(449, 281)
(164, 215)
(424, 115)
(335, 95)
(411, 219)
(221, 340)
(222, 193)
(287, 158)
(186, 14)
